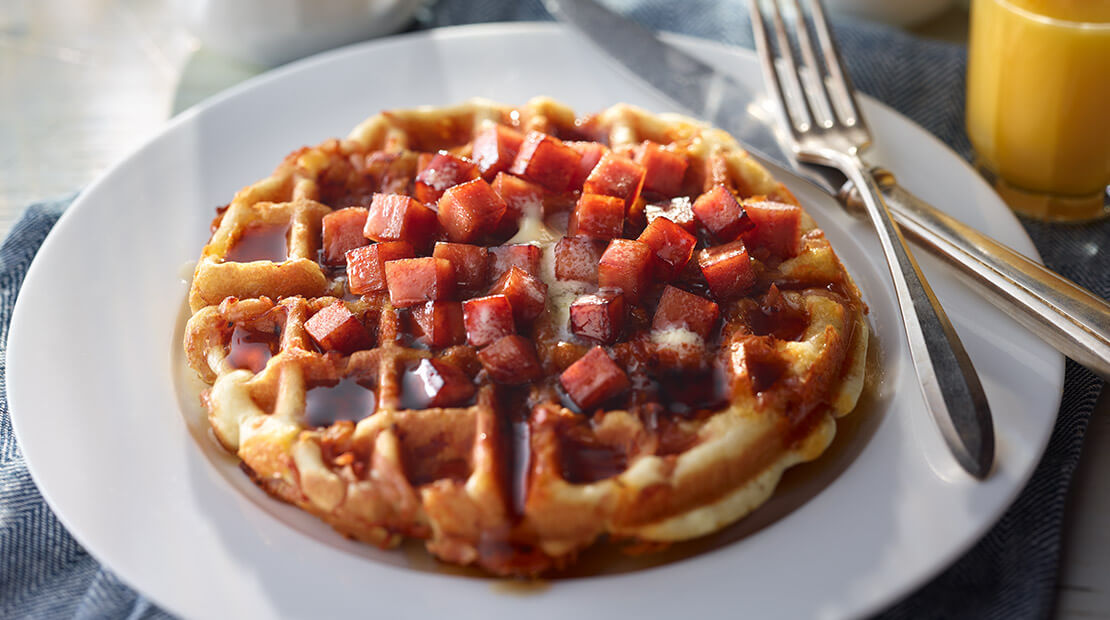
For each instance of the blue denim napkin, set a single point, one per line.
(1010, 573)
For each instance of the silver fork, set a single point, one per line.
(827, 129)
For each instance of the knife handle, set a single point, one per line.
(1070, 318)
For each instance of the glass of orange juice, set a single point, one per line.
(1038, 104)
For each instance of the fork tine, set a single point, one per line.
(770, 68)
(819, 94)
(801, 118)
(834, 63)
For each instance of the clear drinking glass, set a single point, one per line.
(1038, 104)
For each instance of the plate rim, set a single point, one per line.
(447, 33)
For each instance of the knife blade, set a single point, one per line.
(694, 87)
(1063, 314)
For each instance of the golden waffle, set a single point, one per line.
(519, 474)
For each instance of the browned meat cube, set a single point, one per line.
(593, 379)
(545, 160)
(576, 258)
(488, 319)
(526, 293)
(720, 214)
(335, 328)
(728, 270)
(366, 265)
(616, 175)
(664, 169)
(439, 324)
(495, 148)
(777, 228)
(671, 245)
(470, 210)
(342, 231)
(598, 317)
(677, 308)
(471, 263)
(511, 360)
(413, 281)
(626, 265)
(442, 171)
(597, 216)
(396, 217)
(591, 153)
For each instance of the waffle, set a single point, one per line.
(649, 380)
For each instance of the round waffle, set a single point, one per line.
(513, 331)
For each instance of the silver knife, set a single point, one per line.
(1068, 317)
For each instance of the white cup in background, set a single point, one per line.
(272, 32)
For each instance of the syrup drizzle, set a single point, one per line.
(251, 349)
(260, 242)
(347, 400)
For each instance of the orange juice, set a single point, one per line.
(1038, 102)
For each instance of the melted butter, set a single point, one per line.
(560, 293)
(676, 338)
(532, 229)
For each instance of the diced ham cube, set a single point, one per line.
(443, 171)
(511, 360)
(434, 383)
(594, 379)
(396, 217)
(505, 257)
(439, 324)
(671, 245)
(616, 176)
(719, 212)
(335, 328)
(526, 293)
(664, 169)
(626, 265)
(545, 160)
(597, 216)
(591, 153)
(488, 319)
(678, 210)
(471, 263)
(413, 281)
(677, 308)
(342, 231)
(495, 148)
(470, 210)
(576, 258)
(598, 317)
(727, 269)
(778, 228)
(520, 197)
(366, 265)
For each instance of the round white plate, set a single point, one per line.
(116, 442)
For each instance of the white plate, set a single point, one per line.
(115, 442)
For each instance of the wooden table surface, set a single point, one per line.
(82, 84)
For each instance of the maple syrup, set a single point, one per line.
(251, 349)
(584, 463)
(260, 242)
(346, 400)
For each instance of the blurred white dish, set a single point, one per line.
(272, 32)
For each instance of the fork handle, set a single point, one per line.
(1070, 318)
(950, 385)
